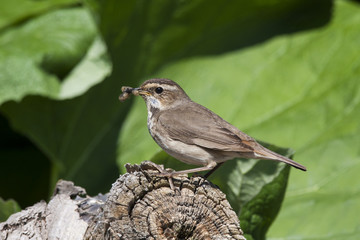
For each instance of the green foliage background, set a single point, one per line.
(286, 72)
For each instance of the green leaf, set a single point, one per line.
(32, 67)
(259, 213)
(299, 91)
(165, 31)
(32, 64)
(13, 12)
(7, 208)
(92, 69)
(255, 190)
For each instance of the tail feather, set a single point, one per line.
(267, 154)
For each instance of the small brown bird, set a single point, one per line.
(192, 133)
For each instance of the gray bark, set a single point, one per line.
(138, 206)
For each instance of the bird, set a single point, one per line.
(192, 133)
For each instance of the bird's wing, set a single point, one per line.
(199, 126)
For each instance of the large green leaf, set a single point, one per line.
(35, 56)
(93, 69)
(165, 31)
(255, 190)
(46, 59)
(14, 12)
(300, 91)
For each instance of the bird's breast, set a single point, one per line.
(156, 133)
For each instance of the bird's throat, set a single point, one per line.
(152, 102)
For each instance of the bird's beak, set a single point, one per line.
(139, 91)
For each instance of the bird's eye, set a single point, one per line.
(159, 90)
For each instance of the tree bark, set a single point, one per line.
(138, 206)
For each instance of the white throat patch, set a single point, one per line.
(153, 102)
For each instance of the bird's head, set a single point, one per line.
(161, 93)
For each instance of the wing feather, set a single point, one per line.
(204, 128)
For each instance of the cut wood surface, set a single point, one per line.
(138, 206)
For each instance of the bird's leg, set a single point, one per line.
(161, 170)
(212, 170)
(208, 167)
(171, 183)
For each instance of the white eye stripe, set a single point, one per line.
(169, 87)
(164, 86)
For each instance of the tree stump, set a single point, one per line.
(138, 206)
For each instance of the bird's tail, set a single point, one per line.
(265, 153)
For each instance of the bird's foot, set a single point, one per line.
(168, 174)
